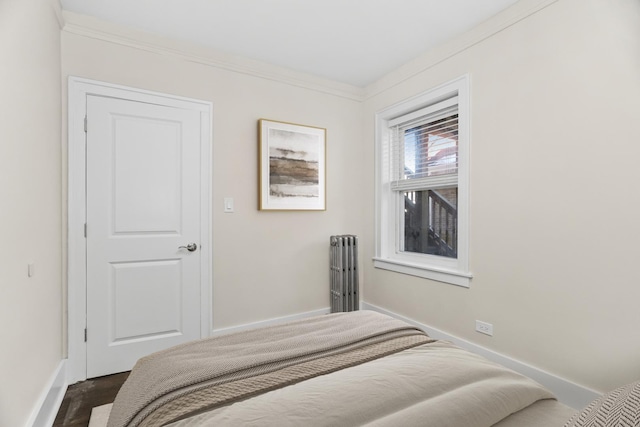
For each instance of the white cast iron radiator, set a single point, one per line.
(344, 292)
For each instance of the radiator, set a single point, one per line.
(344, 292)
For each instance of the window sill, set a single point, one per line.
(453, 277)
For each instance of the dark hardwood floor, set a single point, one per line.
(81, 397)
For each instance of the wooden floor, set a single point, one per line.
(81, 397)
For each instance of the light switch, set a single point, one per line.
(228, 204)
(31, 269)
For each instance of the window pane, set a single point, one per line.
(431, 149)
(431, 222)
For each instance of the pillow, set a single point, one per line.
(619, 408)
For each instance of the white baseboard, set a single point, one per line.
(567, 392)
(47, 406)
(270, 322)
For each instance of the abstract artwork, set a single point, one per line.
(292, 166)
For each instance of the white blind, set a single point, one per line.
(424, 147)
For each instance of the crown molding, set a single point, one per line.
(481, 32)
(94, 28)
(57, 9)
(87, 26)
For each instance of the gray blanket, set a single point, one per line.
(180, 381)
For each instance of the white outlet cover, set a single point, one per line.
(484, 328)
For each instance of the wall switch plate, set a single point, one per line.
(484, 328)
(31, 269)
(228, 204)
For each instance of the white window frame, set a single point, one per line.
(390, 204)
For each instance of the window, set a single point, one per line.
(422, 191)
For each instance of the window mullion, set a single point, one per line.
(426, 183)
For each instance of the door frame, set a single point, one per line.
(78, 90)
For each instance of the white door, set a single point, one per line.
(143, 210)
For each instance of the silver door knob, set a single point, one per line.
(190, 247)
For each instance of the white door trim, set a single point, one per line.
(79, 88)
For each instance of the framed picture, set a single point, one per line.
(292, 167)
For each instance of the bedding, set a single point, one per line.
(343, 369)
(618, 408)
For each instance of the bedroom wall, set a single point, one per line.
(265, 264)
(30, 190)
(554, 201)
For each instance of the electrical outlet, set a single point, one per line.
(484, 328)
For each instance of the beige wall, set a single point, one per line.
(265, 264)
(555, 101)
(30, 213)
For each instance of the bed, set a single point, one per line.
(342, 369)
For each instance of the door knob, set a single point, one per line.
(190, 247)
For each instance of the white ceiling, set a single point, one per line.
(350, 41)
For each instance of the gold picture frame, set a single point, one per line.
(292, 167)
